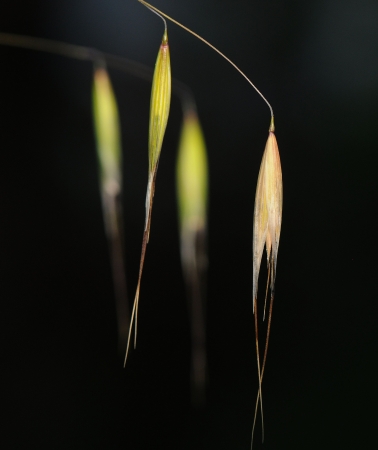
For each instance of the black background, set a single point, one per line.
(63, 383)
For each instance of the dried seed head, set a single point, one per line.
(160, 102)
(107, 131)
(268, 211)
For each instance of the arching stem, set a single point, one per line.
(212, 47)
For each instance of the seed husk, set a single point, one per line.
(159, 112)
(266, 232)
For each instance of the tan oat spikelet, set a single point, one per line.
(266, 231)
(268, 211)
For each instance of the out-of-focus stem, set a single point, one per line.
(213, 48)
(93, 55)
(195, 274)
(112, 209)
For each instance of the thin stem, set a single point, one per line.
(157, 13)
(50, 46)
(146, 235)
(263, 364)
(112, 211)
(214, 48)
(259, 371)
(267, 289)
(194, 269)
(267, 335)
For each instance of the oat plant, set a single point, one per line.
(109, 154)
(267, 218)
(192, 170)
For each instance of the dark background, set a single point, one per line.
(63, 384)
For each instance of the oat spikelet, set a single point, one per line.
(108, 139)
(159, 112)
(107, 130)
(192, 178)
(266, 231)
(268, 211)
(192, 190)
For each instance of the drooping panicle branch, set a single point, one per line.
(213, 48)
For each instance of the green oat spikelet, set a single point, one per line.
(107, 130)
(192, 194)
(159, 112)
(109, 155)
(160, 103)
(192, 175)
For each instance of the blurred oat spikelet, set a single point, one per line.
(192, 193)
(268, 211)
(109, 152)
(107, 132)
(192, 184)
(159, 112)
